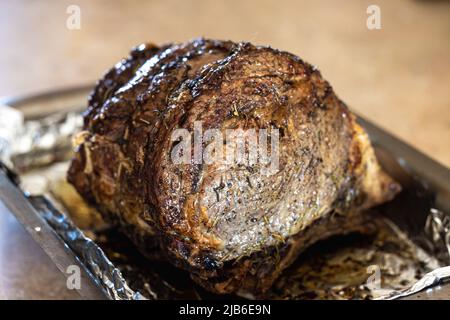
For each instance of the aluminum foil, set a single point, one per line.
(410, 255)
(110, 277)
(27, 144)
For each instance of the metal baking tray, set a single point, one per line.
(426, 183)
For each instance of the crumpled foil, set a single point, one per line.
(33, 143)
(338, 268)
(88, 251)
(437, 228)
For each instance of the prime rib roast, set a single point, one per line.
(233, 227)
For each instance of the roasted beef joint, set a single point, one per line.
(234, 225)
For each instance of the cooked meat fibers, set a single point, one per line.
(233, 226)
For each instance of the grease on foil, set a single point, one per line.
(383, 265)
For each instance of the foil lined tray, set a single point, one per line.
(407, 252)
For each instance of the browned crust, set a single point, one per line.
(122, 163)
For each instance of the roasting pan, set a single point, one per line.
(407, 165)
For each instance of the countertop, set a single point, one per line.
(397, 76)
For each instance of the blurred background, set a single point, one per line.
(397, 76)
